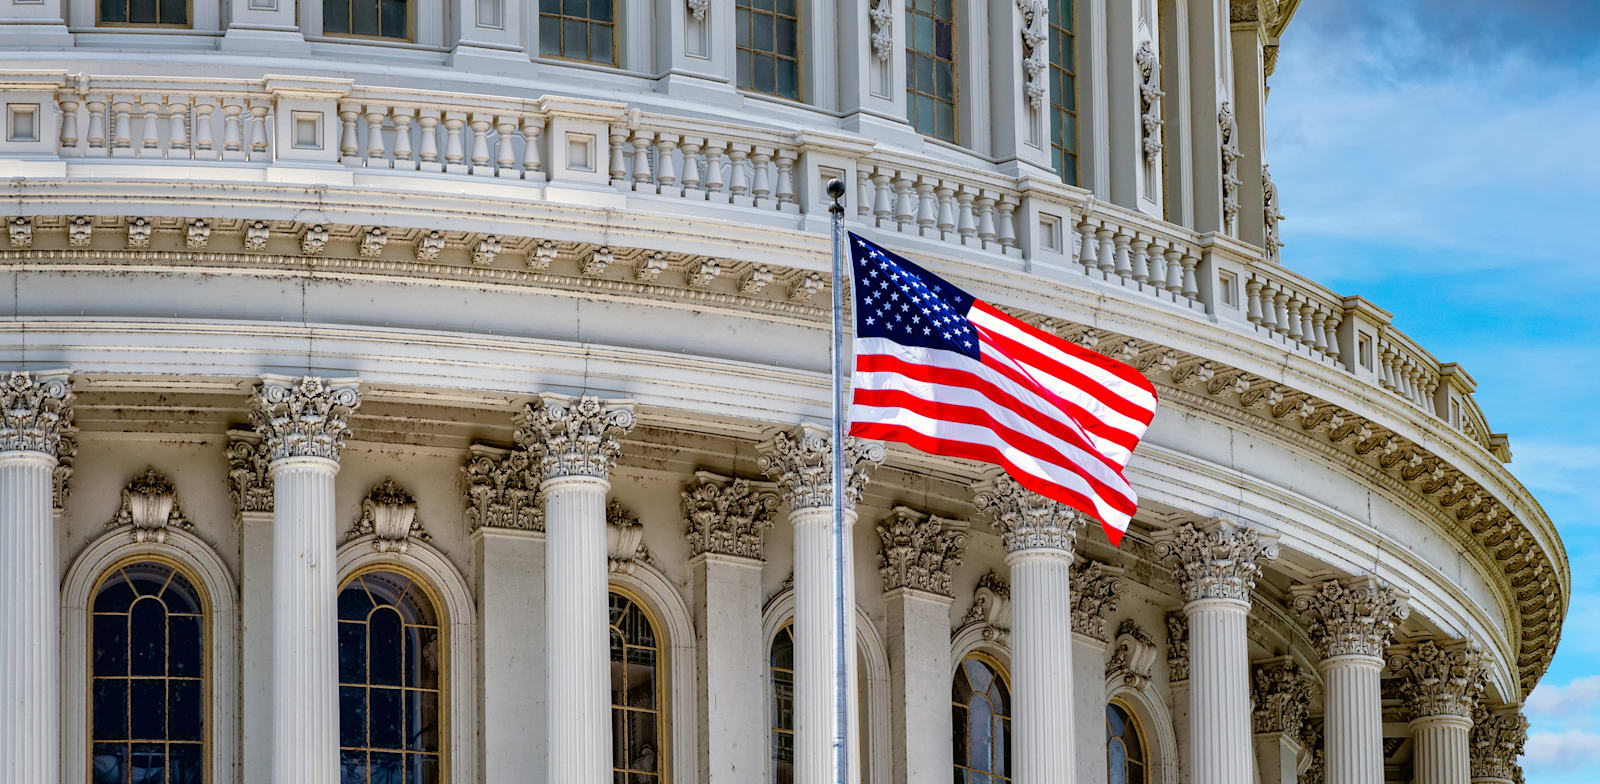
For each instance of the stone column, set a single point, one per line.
(800, 462)
(727, 521)
(250, 487)
(1096, 593)
(1350, 624)
(303, 424)
(1440, 687)
(34, 409)
(1497, 739)
(1217, 567)
(575, 440)
(1038, 535)
(1282, 694)
(919, 551)
(505, 515)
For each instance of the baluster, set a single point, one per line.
(97, 126)
(1331, 326)
(738, 182)
(258, 129)
(1252, 290)
(1431, 386)
(882, 203)
(1006, 223)
(204, 108)
(947, 209)
(349, 144)
(375, 114)
(864, 192)
(1088, 247)
(402, 138)
(428, 140)
(1139, 258)
(690, 146)
(177, 126)
(1120, 262)
(905, 206)
(761, 185)
(121, 122)
(666, 171)
(714, 184)
(1108, 251)
(927, 208)
(1174, 282)
(479, 123)
(966, 222)
(453, 152)
(532, 165)
(1191, 284)
(641, 160)
(1158, 267)
(1308, 325)
(150, 126)
(1281, 319)
(784, 162)
(985, 218)
(232, 131)
(505, 150)
(69, 125)
(619, 159)
(1294, 319)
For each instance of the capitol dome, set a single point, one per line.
(435, 392)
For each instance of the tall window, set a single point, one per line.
(769, 46)
(781, 668)
(579, 30)
(390, 655)
(1063, 93)
(148, 641)
(369, 18)
(982, 707)
(637, 747)
(1124, 747)
(144, 13)
(931, 67)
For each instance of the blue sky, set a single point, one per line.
(1442, 159)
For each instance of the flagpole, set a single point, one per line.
(841, 758)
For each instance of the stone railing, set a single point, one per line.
(334, 132)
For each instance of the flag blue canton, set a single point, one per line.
(900, 301)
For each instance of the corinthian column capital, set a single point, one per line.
(35, 408)
(574, 436)
(303, 417)
(1220, 560)
(1025, 519)
(727, 516)
(1281, 690)
(1096, 593)
(800, 461)
(1440, 680)
(919, 551)
(1496, 743)
(1355, 617)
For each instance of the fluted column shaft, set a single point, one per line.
(1352, 719)
(30, 728)
(305, 623)
(1219, 691)
(576, 588)
(814, 640)
(1041, 665)
(1440, 750)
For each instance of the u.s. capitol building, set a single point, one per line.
(422, 392)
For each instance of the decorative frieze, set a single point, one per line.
(1096, 593)
(389, 514)
(249, 481)
(1496, 743)
(21, 231)
(1281, 691)
(650, 266)
(727, 516)
(1440, 680)
(1177, 647)
(755, 279)
(256, 235)
(805, 286)
(574, 436)
(503, 490)
(150, 506)
(1351, 618)
(700, 276)
(139, 231)
(1220, 560)
(599, 259)
(372, 242)
(484, 253)
(80, 232)
(430, 245)
(305, 417)
(624, 539)
(991, 608)
(1025, 519)
(35, 409)
(1134, 657)
(919, 551)
(314, 240)
(543, 255)
(801, 462)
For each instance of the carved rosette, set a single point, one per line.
(1035, 50)
(35, 409)
(574, 436)
(801, 463)
(1281, 691)
(1351, 618)
(150, 507)
(727, 517)
(1177, 647)
(1096, 593)
(1134, 658)
(991, 608)
(1440, 680)
(918, 552)
(1496, 743)
(249, 481)
(305, 417)
(1025, 519)
(624, 539)
(1221, 561)
(503, 491)
(389, 513)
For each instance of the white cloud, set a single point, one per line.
(1561, 750)
(1580, 696)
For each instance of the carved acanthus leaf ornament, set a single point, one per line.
(1134, 657)
(918, 552)
(574, 436)
(389, 513)
(727, 516)
(503, 491)
(35, 409)
(1496, 742)
(1177, 647)
(801, 463)
(306, 417)
(1351, 618)
(249, 481)
(1440, 680)
(1096, 593)
(1025, 519)
(1221, 561)
(1281, 691)
(991, 608)
(150, 507)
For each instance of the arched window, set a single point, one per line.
(638, 742)
(931, 67)
(579, 30)
(1063, 93)
(1124, 747)
(367, 18)
(768, 43)
(144, 13)
(780, 669)
(147, 640)
(390, 665)
(981, 702)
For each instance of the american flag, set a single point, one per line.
(947, 373)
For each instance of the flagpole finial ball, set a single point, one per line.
(836, 189)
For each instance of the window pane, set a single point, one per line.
(148, 709)
(764, 78)
(146, 764)
(142, 11)
(384, 652)
(394, 19)
(789, 79)
(600, 40)
(183, 648)
(108, 763)
(174, 12)
(600, 10)
(389, 667)
(385, 716)
(184, 707)
(578, 9)
(573, 36)
(185, 762)
(352, 716)
(788, 37)
(110, 708)
(148, 630)
(550, 36)
(742, 26)
(113, 11)
(111, 644)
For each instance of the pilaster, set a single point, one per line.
(1096, 594)
(1248, 38)
(1281, 692)
(1210, 90)
(251, 489)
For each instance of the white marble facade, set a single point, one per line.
(444, 400)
